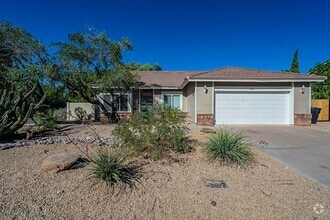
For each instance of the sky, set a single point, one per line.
(190, 35)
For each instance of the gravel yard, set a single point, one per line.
(176, 188)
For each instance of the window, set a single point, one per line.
(173, 100)
(121, 102)
(147, 98)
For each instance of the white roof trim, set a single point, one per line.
(256, 80)
(248, 80)
(159, 87)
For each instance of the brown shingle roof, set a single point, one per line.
(163, 78)
(235, 73)
(177, 78)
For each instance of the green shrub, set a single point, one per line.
(154, 132)
(81, 114)
(229, 146)
(60, 114)
(109, 166)
(46, 119)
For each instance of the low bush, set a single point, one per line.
(229, 146)
(46, 119)
(154, 132)
(109, 166)
(60, 114)
(81, 114)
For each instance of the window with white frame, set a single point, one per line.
(121, 102)
(172, 99)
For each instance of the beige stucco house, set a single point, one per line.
(227, 96)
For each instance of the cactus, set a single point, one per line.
(16, 108)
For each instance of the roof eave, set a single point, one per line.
(185, 82)
(159, 87)
(250, 80)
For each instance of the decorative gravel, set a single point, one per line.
(180, 187)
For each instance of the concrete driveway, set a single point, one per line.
(304, 149)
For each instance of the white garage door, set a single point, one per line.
(252, 107)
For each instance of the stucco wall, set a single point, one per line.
(204, 100)
(252, 84)
(71, 106)
(184, 101)
(189, 94)
(301, 101)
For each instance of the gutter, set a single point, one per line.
(187, 80)
(159, 87)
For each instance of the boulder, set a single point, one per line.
(59, 162)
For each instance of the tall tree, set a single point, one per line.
(295, 63)
(89, 64)
(22, 56)
(156, 67)
(143, 67)
(23, 62)
(321, 90)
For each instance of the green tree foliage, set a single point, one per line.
(156, 67)
(295, 63)
(90, 63)
(321, 90)
(22, 57)
(144, 67)
(23, 63)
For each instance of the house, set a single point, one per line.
(226, 96)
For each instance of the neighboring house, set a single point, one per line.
(226, 96)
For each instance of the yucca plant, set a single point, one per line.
(229, 146)
(109, 166)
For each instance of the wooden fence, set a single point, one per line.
(324, 105)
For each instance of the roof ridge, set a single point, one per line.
(208, 71)
(244, 68)
(165, 71)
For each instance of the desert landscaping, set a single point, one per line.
(181, 186)
(170, 111)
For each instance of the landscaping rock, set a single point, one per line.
(59, 140)
(216, 184)
(208, 130)
(59, 192)
(59, 162)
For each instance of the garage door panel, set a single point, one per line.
(252, 107)
(245, 112)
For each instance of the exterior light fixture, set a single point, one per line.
(303, 89)
(206, 89)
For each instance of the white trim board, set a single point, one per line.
(252, 88)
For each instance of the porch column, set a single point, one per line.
(139, 100)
